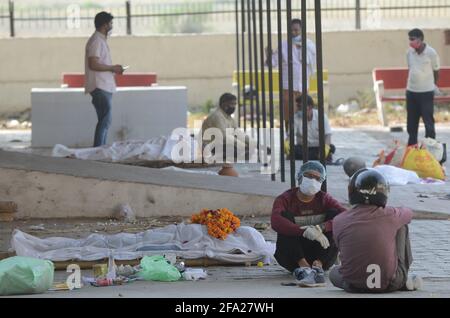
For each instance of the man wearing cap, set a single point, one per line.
(302, 217)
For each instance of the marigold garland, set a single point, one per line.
(219, 222)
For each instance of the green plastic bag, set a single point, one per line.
(25, 275)
(158, 268)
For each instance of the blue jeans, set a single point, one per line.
(102, 102)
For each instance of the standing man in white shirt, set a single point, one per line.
(99, 75)
(423, 64)
(296, 31)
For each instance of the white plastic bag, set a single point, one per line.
(125, 213)
(112, 274)
(194, 274)
(434, 147)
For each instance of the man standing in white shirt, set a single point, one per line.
(99, 75)
(423, 64)
(296, 31)
(313, 133)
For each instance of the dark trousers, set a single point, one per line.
(398, 282)
(291, 249)
(102, 102)
(313, 153)
(420, 105)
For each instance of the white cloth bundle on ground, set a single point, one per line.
(158, 148)
(398, 176)
(189, 241)
(172, 168)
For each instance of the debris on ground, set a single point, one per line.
(39, 227)
(104, 282)
(126, 270)
(261, 226)
(19, 120)
(100, 270)
(59, 286)
(7, 211)
(194, 274)
(125, 213)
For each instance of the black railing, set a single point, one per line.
(263, 54)
(212, 16)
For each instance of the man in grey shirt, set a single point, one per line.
(423, 64)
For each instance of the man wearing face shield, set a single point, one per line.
(222, 120)
(296, 31)
(99, 75)
(302, 217)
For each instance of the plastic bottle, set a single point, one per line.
(104, 282)
(111, 267)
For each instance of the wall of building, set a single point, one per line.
(203, 63)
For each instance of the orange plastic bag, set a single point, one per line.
(422, 162)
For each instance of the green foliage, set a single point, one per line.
(207, 106)
(366, 99)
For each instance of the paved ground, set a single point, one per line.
(430, 241)
(364, 142)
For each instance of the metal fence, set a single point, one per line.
(209, 16)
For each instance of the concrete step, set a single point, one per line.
(47, 187)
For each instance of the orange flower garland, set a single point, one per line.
(219, 222)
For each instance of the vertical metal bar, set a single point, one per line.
(320, 99)
(263, 80)
(255, 51)
(304, 83)
(243, 62)
(11, 19)
(269, 65)
(280, 90)
(250, 65)
(128, 8)
(291, 92)
(238, 64)
(358, 14)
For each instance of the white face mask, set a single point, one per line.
(310, 187)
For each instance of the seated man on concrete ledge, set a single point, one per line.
(302, 217)
(313, 133)
(373, 240)
(221, 119)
